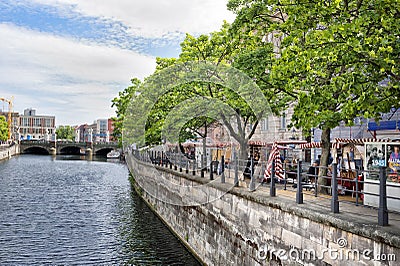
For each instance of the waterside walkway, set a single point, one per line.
(354, 218)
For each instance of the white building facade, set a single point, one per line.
(36, 127)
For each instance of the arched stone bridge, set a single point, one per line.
(48, 147)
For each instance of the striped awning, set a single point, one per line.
(360, 141)
(279, 142)
(310, 145)
(215, 144)
(341, 141)
(258, 143)
(275, 157)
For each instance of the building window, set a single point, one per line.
(264, 124)
(283, 121)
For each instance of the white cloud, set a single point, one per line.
(154, 18)
(75, 80)
(53, 73)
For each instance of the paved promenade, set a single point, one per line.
(362, 219)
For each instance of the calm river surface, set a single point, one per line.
(66, 211)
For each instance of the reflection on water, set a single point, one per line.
(67, 210)
(98, 158)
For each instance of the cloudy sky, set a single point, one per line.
(69, 58)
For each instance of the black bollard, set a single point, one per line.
(235, 161)
(211, 168)
(252, 186)
(223, 169)
(272, 189)
(383, 218)
(357, 188)
(334, 188)
(299, 193)
(180, 162)
(175, 162)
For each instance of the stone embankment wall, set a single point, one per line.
(7, 151)
(247, 228)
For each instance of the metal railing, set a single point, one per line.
(250, 173)
(6, 145)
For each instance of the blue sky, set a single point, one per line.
(69, 58)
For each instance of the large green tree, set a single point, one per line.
(338, 58)
(222, 48)
(121, 103)
(3, 129)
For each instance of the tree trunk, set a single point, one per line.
(326, 148)
(243, 150)
(204, 158)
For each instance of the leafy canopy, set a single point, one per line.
(339, 58)
(65, 132)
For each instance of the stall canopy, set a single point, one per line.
(339, 142)
(360, 141)
(279, 142)
(311, 145)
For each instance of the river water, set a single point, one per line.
(67, 211)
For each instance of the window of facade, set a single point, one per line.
(264, 124)
(283, 121)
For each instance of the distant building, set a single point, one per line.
(100, 131)
(388, 127)
(36, 127)
(111, 129)
(81, 133)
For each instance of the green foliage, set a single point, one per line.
(338, 55)
(338, 58)
(121, 104)
(334, 60)
(3, 129)
(65, 132)
(222, 48)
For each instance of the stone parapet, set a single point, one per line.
(233, 226)
(7, 151)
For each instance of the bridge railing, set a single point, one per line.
(34, 141)
(340, 186)
(67, 142)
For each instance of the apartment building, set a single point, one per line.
(36, 127)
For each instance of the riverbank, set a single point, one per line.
(8, 150)
(139, 191)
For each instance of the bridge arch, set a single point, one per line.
(103, 151)
(36, 150)
(70, 150)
